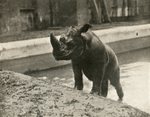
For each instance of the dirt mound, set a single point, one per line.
(25, 96)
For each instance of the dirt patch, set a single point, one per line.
(25, 96)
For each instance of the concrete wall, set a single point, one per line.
(65, 12)
(11, 19)
(36, 54)
(15, 14)
(9, 16)
(43, 9)
(83, 15)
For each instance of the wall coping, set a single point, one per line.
(26, 48)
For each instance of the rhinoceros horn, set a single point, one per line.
(55, 43)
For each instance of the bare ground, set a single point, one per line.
(25, 96)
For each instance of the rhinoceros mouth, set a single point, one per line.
(64, 55)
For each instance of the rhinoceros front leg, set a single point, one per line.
(77, 76)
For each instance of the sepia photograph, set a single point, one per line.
(74, 58)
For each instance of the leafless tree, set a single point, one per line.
(101, 11)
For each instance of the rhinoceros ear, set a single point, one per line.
(84, 28)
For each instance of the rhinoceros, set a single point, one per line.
(89, 56)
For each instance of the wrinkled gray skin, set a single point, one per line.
(89, 56)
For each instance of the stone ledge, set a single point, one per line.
(37, 52)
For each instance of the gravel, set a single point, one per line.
(25, 96)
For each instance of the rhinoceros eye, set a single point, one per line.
(62, 39)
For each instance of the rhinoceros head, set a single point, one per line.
(70, 45)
